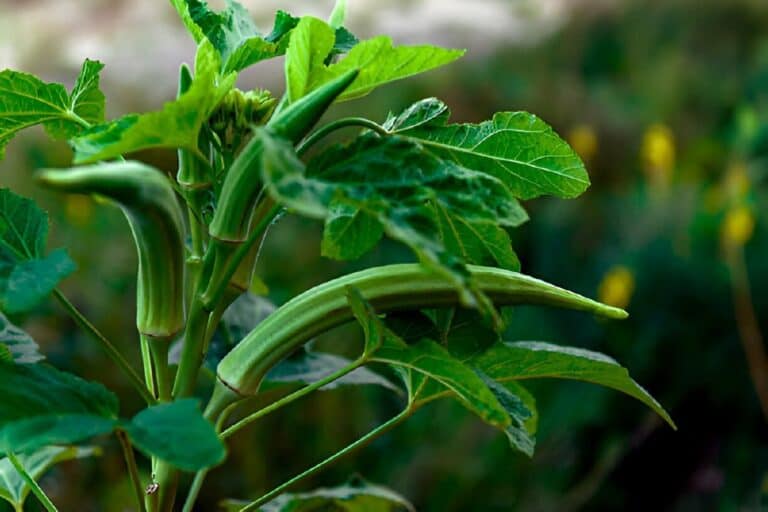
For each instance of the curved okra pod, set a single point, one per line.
(155, 217)
(387, 288)
(242, 184)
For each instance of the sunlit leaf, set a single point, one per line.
(518, 148)
(20, 346)
(26, 101)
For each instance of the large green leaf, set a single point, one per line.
(310, 44)
(178, 434)
(518, 148)
(26, 101)
(394, 182)
(532, 360)
(21, 348)
(42, 406)
(355, 496)
(176, 125)
(14, 489)
(430, 359)
(27, 274)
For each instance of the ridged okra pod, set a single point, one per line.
(387, 288)
(242, 183)
(155, 217)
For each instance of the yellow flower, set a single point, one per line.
(658, 152)
(583, 140)
(736, 183)
(617, 287)
(79, 209)
(738, 227)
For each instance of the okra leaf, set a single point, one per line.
(393, 181)
(177, 433)
(521, 408)
(307, 367)
(26, 101)
(42, 406)
(310, 44)
(518, 148)
(338, 15)
(349, 231)
(5, 354)
(532, 360)
(176, 125)
(20, 346)
(27, 274)
(15, 490)
(357, 495)
(430, 359)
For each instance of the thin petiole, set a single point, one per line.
(292, 397)
(133, 471)
(111, 350)
(36, 489)
(363, 441)
(346, 122)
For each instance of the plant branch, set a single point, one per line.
(133, 470)
(361, 442)
(346, 122)
(292, 397)
(111, 350)
(36, 489)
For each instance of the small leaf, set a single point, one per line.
(349, 232)
(177, 125)
(20, 346)
(42, 406)
(529, 360)
(310, 44)
(338, 15)
(308, 367)
(521, 410)
(518, 148)
(379, 63)
(14, 489)
(355, 496)
(178, 434)
(26, 101)
(27, 275)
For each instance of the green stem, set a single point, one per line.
(323, 131)
(292, 397)
(111, 350)
(167, 478)
(146, 360)
(194, 490)
(133, 471)
(159, 352)
(191, 355)
(36, 489)
(370, 436)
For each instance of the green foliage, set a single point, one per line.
(28, 101)
(449, 192)
(15, 490)
(27, 274)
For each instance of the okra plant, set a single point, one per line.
(449, 192)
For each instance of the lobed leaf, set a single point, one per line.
(529, 360)
(176, 125)
(14, 488)
(26, 101)
(177, 433)
(27, 274)
(518, 148)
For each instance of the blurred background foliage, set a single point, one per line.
(667, 102)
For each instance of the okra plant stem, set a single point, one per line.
(346, 122)
(360, 443)
(133, 471)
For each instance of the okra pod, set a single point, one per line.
(155, 217)
(388, 288)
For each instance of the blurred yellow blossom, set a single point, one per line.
(79, 209)
(736, 182)
(658, 153)
(617, 287)
(738, 227)
(583, 139)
